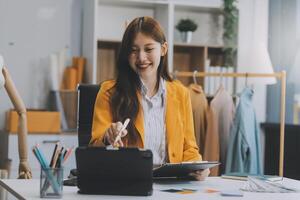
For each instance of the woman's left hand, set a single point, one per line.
(200, 175)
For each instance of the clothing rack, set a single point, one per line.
(279, 75)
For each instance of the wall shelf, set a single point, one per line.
(101, 38)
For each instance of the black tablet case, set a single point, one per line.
(123, 171)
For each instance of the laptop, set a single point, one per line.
(114, 171)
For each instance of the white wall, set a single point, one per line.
(30, 31)
(117, 15)
(284, 46)
(253, 23)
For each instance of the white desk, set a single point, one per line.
(29, 189)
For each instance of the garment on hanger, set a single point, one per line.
(244, 150)
(220, 118)
(199, 107)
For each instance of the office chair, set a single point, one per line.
(87, 94)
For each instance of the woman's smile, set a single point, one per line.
(143, 65)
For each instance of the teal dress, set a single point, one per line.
(244, 148)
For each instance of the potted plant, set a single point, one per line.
(230, 25)
(186, 27)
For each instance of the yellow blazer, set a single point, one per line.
(181, 143)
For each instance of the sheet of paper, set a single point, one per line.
(256, 184)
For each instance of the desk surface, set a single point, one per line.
(29, 189)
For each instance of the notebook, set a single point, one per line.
(121, 171)
(244, 176)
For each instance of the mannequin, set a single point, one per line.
(7, 83)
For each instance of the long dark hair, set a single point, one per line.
(124, 100)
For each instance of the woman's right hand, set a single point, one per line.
(112, 132)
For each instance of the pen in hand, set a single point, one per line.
(121, 130)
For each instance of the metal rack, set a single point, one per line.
(279, 75)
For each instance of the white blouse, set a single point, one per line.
(154, 122)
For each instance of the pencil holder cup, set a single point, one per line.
(51, 182)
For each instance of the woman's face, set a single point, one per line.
(145, 55)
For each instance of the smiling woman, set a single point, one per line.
(158, 107)
(144, 59)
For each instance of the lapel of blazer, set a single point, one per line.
(139, 123)
(172, 106)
